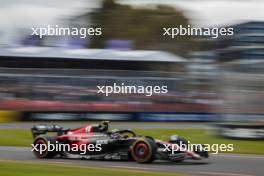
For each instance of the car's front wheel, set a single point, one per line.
(143, 150)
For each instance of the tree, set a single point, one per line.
(144, 26)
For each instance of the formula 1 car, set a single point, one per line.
(97, 142)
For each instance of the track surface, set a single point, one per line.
(217, 165)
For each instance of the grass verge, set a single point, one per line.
(15, 168)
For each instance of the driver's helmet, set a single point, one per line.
(178, 140)
(114, 130)
(174, 138)
(115, 134)
(103, 126)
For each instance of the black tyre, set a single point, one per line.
(143, 150)
(43, 141)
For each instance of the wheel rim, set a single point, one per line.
(141, 150)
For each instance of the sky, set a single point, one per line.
(17, 14)
(202, 12)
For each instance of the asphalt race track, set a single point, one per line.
(216, 165)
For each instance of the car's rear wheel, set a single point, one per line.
(41, 147)
(143, 150)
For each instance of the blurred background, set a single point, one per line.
(209, 80)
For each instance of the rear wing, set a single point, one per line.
(44, 129)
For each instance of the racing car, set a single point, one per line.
(104, 144)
